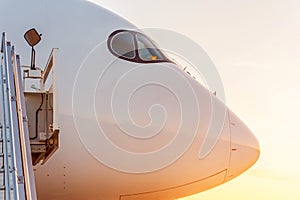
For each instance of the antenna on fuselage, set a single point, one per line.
(32, 37)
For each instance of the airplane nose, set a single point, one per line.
(244, 147)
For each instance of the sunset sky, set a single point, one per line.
(255, 45)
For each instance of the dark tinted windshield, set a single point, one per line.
(146, 49)
(123, 45)
(134, 46)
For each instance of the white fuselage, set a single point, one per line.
(90, 82)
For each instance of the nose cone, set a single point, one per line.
(244, 147)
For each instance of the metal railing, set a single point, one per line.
(18, 181)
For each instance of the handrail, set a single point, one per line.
(4, 123)
(14, 135)
(16, 164)
(48, 68)
(24, 134)
(2, 42)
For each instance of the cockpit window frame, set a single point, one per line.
(137, 58)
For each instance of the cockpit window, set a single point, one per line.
(123, 45)
(147, 51)
(135, 47)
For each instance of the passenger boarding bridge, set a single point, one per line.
(29, 132)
